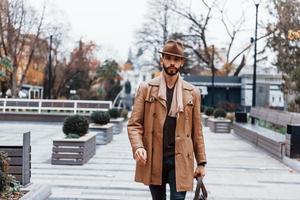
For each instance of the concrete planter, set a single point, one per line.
(204, 119)
(19, 155)
(219, 125)
(36, 192)
(104, 133)
(118, 125)
(74, 151)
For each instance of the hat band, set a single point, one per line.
(172, 54)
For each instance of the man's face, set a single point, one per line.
(171, 64)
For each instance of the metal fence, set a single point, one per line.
(52, 106)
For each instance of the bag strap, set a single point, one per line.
(200, 189)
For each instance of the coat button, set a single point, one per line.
(154, 114)
(188, 135)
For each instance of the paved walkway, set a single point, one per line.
(235, 170)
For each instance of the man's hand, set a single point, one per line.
(140, 156)
(200, 171)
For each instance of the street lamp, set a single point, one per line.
(212, 77)
(254, 65)
(50, 69)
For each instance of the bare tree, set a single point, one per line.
(287, 60)
(196, 36)
(157, 28)
(58, 58)
(21, 34)
(197, 39)
(76, 73)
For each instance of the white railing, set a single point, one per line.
(46, 105)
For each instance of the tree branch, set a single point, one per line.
(33, 47)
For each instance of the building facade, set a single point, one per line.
(238, 90)
(268, 87)
(224, 90)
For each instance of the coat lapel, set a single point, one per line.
(154, 92)
(187, 94)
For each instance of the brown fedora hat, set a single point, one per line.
(173, 48)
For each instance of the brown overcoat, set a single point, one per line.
(145, 129)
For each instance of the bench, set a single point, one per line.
(269, 140)
(19, 155)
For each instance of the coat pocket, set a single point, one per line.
(183, 146)
(184, 159)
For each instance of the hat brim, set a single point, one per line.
(172, 54)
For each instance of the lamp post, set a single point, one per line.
(50, 69)
(254, 65)
(212, 77)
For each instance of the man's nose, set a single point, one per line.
(172, 62)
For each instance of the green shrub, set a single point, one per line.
(124, 114)
(114, 112)
(75, 125)
(209, 111)
(100, 117)
(219, 112)
(9, 186)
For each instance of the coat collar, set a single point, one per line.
(156, 82)
(187, 95)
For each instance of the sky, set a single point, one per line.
(113, 23)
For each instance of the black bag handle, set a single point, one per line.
(200, 189)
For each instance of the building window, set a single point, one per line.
(273, 99)
(279, 99)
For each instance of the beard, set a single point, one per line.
(171, 70)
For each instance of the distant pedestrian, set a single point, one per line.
(165, 129)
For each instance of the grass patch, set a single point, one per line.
(273, 127)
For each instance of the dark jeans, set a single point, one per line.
(158, 192)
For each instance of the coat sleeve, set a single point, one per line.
(197, 134)
(135, 127)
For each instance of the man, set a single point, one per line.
(165, 129)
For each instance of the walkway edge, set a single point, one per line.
(37, 192)
(292, 163)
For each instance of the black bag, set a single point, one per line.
(200, 193)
